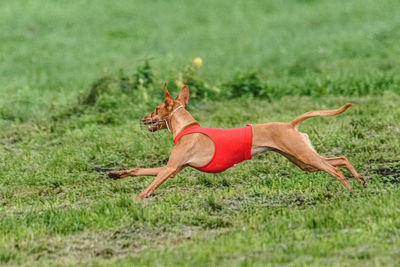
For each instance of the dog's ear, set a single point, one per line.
(168, 98)
(166, 93)
(183, 95)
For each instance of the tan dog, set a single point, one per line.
(197, 149)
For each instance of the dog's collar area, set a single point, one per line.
(175, 110)
(170, 116)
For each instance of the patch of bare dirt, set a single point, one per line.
(390, 174)
(110, 245)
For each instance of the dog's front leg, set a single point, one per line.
(179, 158)
(163, 175)
(135, 172)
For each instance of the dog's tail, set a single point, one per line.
(322, 113)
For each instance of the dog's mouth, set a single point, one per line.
(153, 124)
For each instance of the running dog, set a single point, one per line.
(215, 150)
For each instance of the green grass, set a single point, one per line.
(53, 50)
(56, 143)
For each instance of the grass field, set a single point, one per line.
(74, 84)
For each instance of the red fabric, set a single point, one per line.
(231, 146)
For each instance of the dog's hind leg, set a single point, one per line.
(311, 161)
(320, 163)
(335, 172)
(314, 162)
(298, 149)
(343, 162)
(298, 163)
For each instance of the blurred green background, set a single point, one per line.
(53, 50)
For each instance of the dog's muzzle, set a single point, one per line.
(154, 124)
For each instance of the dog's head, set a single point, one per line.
(157, 119)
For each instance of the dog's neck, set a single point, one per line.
(180, 120)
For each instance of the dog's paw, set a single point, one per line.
(141, 196)
(114, 175)
(364, 184)
(144, 194)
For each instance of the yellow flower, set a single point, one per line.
(216, 89)
(179, 83)
(197, 62)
